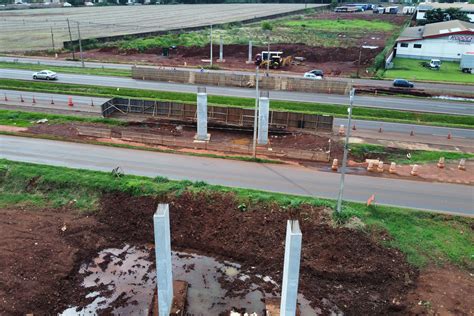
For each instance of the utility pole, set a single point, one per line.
(52, 39)
(360, 57)
(268, 55)
(80, 44)
(346, 149)
(211, 46)
(254, 153)
(70, 40)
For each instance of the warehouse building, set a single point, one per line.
(468, 8)
(444, 40)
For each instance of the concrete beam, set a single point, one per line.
(263, 113)
(164, 276)
(291, 269)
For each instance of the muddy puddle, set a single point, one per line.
(122, 282)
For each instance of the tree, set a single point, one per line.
(439, 15)
(456, 14)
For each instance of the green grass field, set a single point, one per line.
(411, 69)
(425, 238)
(70, 70)
(342, 25)
(313, 108)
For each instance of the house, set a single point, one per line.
(443, 40)
(427, 6)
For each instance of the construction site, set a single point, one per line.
(169, 186)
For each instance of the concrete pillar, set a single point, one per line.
(263, 113)
(202, 115)
(250, 52)
(291, 269)
(221, 50)
(164, 276)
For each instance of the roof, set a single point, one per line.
(464, 6)
(435, 30)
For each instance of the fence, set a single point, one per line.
(226, 116)
(240, 80)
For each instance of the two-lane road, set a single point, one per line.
(270, 177)
(405, 104)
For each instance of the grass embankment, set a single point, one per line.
(399, 156)
(25, 119)
(311, 108)
(412, 69)
(424, 237)
(69, 69)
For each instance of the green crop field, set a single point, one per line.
(412, 69)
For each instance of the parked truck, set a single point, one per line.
(467, 62)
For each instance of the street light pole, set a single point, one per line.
(254, 152)
(80, 44)
(346, 149)
(211, 46)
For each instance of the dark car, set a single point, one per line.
(317, 72)
(402, 83)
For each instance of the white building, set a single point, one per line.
(427, 6)
(444, 40)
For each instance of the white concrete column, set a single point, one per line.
(221, 50)
(202, 114)
(263, 113)
(164, 276)
(250, 52)
(291, 269)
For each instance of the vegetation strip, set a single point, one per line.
(424, 237)
(68, 69)
(399, 156)
(362, 113)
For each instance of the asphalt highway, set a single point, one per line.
(82, 105)
(407, 104)
(369, 82)
(270, 177)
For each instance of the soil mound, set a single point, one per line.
(341, 266)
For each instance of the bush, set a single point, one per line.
(267, 26)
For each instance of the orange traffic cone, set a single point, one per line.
(69, 101)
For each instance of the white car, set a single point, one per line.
(310, 75)
(45, 74)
